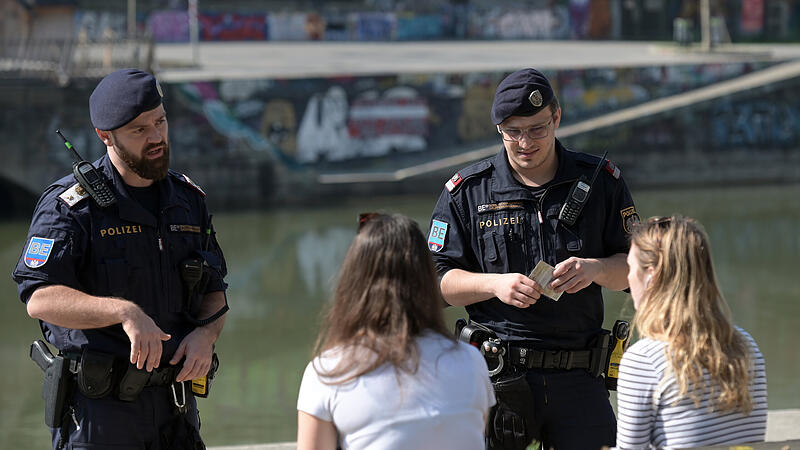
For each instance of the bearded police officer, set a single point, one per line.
(125, 289)
(494, 221)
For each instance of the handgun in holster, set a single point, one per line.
(57, 382)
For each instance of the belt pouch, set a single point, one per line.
(132, 383)
(512, 424)
(94, 376)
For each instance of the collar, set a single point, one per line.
(129, 209)
(506, 187)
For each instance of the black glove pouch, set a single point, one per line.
(95, 374)
(512, 423)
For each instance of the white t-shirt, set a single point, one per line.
(441, 406)
(647, 417)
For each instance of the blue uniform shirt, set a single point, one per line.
(487, 222)
(120, 251)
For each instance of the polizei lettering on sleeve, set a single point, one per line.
(119, 230)
(499, 222)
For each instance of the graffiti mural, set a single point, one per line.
(501, 23)
(169, 26)
(756, 124)
(96, 26)
(323, 130)
(232, 27)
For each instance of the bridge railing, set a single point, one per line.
(64, 59)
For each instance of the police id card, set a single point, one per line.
(543, 275)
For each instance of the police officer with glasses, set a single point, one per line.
(123, 271)
(494, 222)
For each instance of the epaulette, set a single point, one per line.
(591, 160)
(468, 172)
(613, 170)
(73, 195)
(187, 180)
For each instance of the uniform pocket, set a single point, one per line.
(503, 252)
(566, 240)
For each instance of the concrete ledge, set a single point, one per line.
(783, 432)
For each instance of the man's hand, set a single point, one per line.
(198, 348)
(574, 274)
(145, 337)
(516, 289)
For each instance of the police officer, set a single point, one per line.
(494, 221)
(106, 282)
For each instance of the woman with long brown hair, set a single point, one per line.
(387, 373)
(694, 378)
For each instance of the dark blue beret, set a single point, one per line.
(523, 93)
(121, 96)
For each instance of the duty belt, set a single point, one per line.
(550, 359)
(162, 376)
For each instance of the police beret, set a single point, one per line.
(523, 93)
(121, 96)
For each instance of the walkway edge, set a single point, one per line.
(782, 425)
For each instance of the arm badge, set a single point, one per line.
(629, 219)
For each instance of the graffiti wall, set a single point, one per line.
(360, 120)
(761, 121)
(266, 134)
(402, 20)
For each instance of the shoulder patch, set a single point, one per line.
(73, 195)
(629, 218)
(467, 173)
(453, 182)
(613, 170)
(437, 235)
(191, 183)
(38, 251)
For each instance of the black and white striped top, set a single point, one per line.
(647, 418)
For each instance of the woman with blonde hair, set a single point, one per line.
(387, 373)
(694, 378)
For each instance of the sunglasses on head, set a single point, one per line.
(363, 218)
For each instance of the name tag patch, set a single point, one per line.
(438, 233)
(38, 251)
(185, 228)
(500, 206)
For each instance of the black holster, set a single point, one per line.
(57, 384)
(512, 421)
(600, 352)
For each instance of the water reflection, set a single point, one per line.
(283, 264)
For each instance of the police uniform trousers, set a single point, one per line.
(572, 409)
(108, 422)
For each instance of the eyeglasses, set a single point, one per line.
(363, 218)
(516, 134)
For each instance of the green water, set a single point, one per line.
(282, 264)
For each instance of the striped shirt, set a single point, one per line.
(647, 417)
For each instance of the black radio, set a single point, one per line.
(89, 178)
(578, 195)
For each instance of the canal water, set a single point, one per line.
(282, 264)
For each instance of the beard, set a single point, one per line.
(149, 169)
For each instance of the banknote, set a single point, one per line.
(543, 275)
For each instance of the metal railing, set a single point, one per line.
(62, 60)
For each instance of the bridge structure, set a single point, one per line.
(253, 172)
